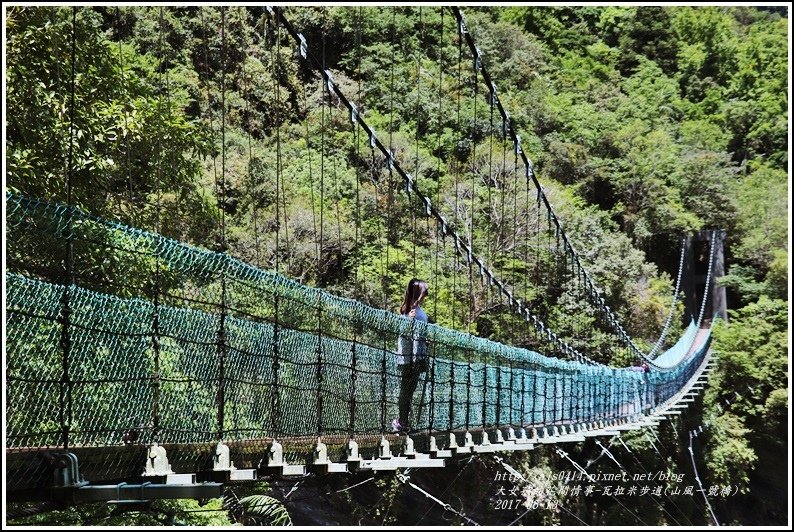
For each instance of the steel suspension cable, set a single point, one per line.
(65, 388)
(460, 245)
(416, 142)
(320, 281)
(126, 121)
(156, 339)
(253, 189)
(222, 345)
(530, 174)
(639, 463)
(659, 504)
(473, 169)
(439, 235)
(592, 478)
(697, 478)
(405, 479)
(668, 320)
(590, 288)
(390, 161)
(707, 288)
(356, 282)
(516, 474)
(275, 393)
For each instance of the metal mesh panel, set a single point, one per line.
(226, 350)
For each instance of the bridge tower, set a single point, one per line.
(696, 269)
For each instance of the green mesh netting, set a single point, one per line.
(204, 346)
(112, 377)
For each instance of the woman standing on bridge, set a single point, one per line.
(411, 351)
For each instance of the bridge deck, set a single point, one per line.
(27, 468)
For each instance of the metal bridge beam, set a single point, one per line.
(138, 492)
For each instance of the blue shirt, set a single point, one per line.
(413, 348)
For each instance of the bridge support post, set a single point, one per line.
(384, 450)
(351, 453)
(157, 466)
(156, 462)
(453, 445)
(534, 436)
(485, 444)
(275, 459)
(408, 449)
(222, 462)
(435, 452)
(320, 453)
(275, 454)
(223, 469)
(321, 461)
(468, 443)
(468, 440)
(522, 442)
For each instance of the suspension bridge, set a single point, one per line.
(217, 370)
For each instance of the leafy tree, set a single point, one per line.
(643, 123)
(757, 95)
(706, 48)
(748, 401)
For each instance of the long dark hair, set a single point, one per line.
(416, 288)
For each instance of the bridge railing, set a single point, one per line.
(112, 377)
(212, 348)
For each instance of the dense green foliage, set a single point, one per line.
(644, 123)
(748, 409)
(244, 505)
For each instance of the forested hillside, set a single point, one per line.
(644, 124)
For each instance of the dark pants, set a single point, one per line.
(409, 379)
